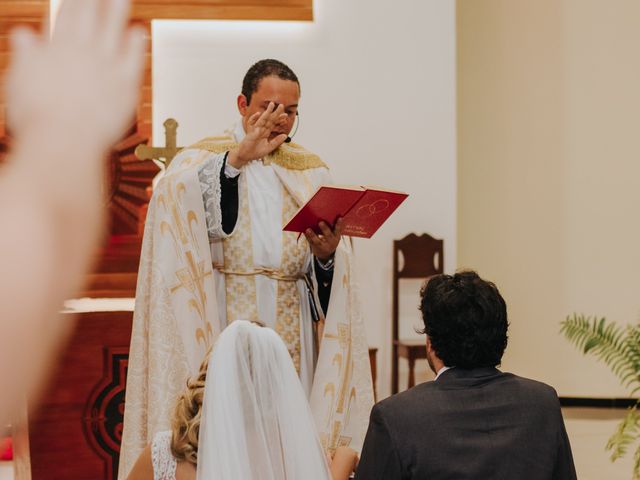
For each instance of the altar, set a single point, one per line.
(75, 431)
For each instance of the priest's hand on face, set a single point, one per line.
(258, 141)
(324, 245)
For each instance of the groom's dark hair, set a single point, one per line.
(265, 68)
(465, 318)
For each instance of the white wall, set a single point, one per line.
(378, 105)
(548, 172)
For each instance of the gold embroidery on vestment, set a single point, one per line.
(290, 156)
(294, 254)
(237, 251)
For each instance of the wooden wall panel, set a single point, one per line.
(23, 9)
(11, 17)
(13, 13)
(224, 9)
(78, 424)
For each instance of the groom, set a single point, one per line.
(473, 421)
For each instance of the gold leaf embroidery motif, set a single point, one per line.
(290, 156)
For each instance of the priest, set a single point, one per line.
(214, 251)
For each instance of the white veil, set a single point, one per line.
(256, 421)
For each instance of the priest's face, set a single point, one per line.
(276, 90)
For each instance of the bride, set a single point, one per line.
(245, 418)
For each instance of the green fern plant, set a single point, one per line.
(619, 348)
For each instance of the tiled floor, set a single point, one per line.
(588, 429)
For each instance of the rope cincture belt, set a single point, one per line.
(272, 273)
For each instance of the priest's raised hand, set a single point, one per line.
(262, 136)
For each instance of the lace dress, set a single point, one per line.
(164, 464)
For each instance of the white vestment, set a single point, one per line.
(265, 206)
(194, 280)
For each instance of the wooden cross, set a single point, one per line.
(163, 154)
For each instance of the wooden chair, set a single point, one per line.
(423, 256)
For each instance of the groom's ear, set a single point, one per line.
(242, 105)
(430, 350)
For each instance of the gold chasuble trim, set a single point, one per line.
(288, 311)
(288, 155)
(294, 157)
(242, 302)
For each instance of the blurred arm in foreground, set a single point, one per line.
(68, 100)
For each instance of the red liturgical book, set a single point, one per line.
(363, 209)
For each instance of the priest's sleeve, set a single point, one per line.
(219, 195)
(228, 199)
(324, 277)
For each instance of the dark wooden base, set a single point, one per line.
(75, 431)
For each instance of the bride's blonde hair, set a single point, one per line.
(186, 419)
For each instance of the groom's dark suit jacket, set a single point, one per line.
(468, 424)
